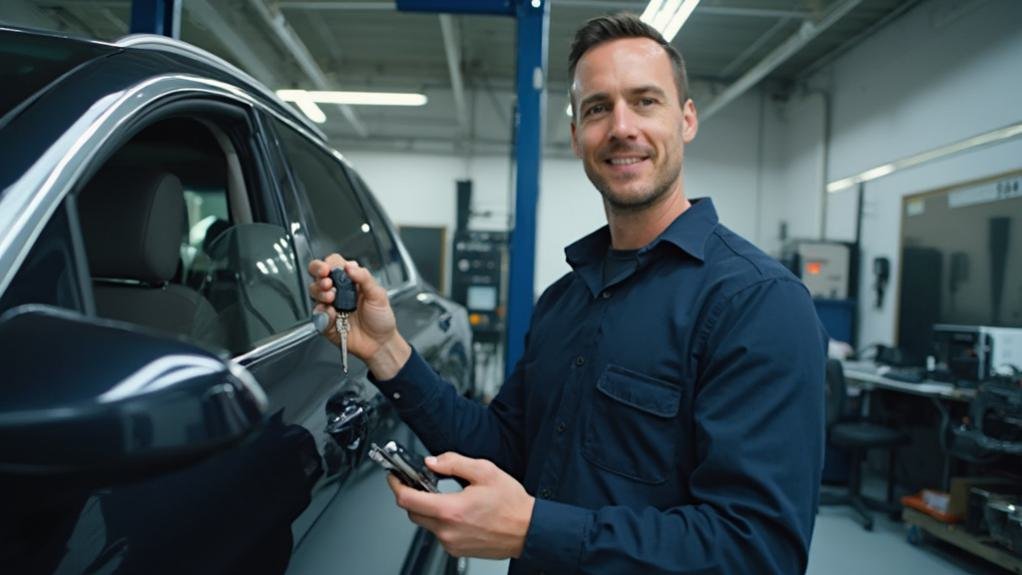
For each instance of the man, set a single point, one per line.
(667, 414)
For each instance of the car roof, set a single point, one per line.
(39, 60)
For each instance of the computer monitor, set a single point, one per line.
(961, 260)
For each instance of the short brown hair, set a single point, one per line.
(623, 25)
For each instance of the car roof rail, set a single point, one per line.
(179, 47)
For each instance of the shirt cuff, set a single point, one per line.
(412, 386)
(554, 540)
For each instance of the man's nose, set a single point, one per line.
(624, 123)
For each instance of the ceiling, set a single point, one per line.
(729, 45)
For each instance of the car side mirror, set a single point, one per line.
(86, 397)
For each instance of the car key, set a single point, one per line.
(345, 301)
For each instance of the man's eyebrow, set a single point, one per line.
(597, 97)
(650, 89)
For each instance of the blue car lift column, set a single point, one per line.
(161, 17)
(533, 20)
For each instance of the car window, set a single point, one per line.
(49, 274)
(339, 224)
(393, 263)
(178, 241)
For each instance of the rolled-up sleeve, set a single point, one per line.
(758, 416)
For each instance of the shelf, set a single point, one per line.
(956, 535)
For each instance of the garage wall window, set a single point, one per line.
(339, 224)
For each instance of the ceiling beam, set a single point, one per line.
(205, 12)
(452, 46)
(287, 36)
(805, 34)
(726, 71)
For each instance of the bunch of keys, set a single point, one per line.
(345, 302)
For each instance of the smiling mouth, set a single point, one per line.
(624, 161)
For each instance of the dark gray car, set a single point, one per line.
(166, 405)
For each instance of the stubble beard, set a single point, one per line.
(663, 183)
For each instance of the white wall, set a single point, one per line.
(932, 77)
(792, 177)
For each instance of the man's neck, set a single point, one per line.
(631, 230)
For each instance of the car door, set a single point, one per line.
(242, 510)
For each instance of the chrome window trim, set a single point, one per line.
(279, 343)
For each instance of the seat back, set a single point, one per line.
(133, 220)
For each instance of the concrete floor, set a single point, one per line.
(842, 547)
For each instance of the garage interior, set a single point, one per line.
(825, 125)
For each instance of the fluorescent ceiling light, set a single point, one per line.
(668, 16)
(306, 100)
(985, 139)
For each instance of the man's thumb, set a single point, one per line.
(457, 465)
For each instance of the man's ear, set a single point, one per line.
(691, 117)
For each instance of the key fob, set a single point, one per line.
(347, 292)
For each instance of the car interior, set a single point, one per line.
(173, 245)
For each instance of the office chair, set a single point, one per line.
(857, 437)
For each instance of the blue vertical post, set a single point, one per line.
(533, 20)
(161, 17)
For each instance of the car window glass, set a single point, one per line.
(48, 275)
(338, 222)
(231, 282)
(392, 260)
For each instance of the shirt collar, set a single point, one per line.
(688, 232)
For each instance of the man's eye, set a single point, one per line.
(647, 102)
(595, 109)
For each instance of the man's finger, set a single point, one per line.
(321, 268)
(367, 284)
(413, 500)
(427, 523)
(457, 465)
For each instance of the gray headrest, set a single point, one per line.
(133, 220)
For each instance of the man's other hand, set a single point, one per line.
(373, 335)
(488, 519)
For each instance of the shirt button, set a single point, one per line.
(544, 493)
(580, 361)
(561, 427)
(396, 395)
(605, 294)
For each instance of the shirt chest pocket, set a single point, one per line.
(632, 428)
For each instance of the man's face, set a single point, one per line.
(629, 127)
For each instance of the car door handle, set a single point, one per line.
(347, 421)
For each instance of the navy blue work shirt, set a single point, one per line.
(667, 420)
